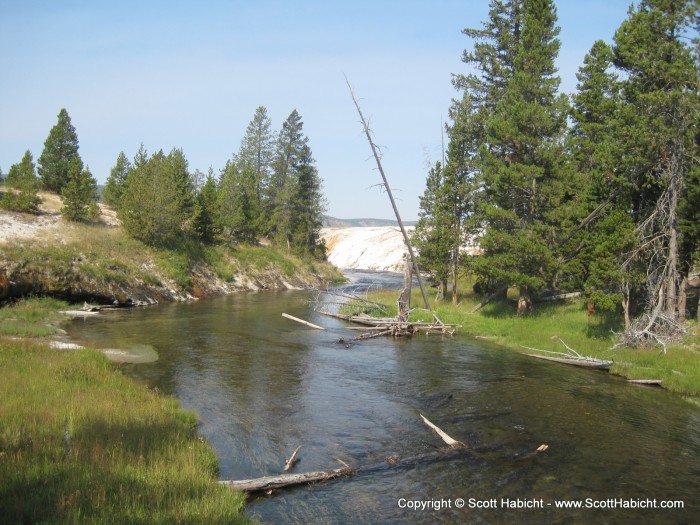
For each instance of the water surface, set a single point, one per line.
(261, 385)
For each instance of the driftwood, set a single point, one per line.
(286, 480)
(585, 362)
(391, 326)
(572, 358)
(289, 464)
(287, 316)
(447, 439)
(652, 382)
(454, 448)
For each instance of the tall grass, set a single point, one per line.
(80, 443)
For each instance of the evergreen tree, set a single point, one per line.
(79, 193)
(658, 133)
(156, 203)
(521, 163)
(116, 182)
(430, 237)
(603, 198)
(238, 204)
(257, 149)
(60, 150)
(294, 198)
(205, 215)
(22, 177)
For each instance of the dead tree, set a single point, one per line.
(657, 248)
(385, 183)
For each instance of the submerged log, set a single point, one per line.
(454, 448)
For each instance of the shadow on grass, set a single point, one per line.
(133, 472)
(604, 326)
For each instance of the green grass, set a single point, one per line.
(35, 317)
(80, 443)
(551, 323)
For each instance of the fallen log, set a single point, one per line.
(287, 316)
(454, 448)
(652, 382)
(585, 362)
(286, 480)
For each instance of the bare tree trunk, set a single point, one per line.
(404, 303)
(524, 301)
(683, 299)
(626, 305)
(454, 276)
(442, 286)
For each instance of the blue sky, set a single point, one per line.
(190, 75)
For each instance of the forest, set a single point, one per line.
(269, 189)
(598, 192)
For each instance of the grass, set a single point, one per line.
(80, 443)
(36, 317)
(550, 323)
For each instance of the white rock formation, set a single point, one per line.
(367, 248)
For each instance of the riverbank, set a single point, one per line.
(45, 255)
(81, 443)
(678, 370)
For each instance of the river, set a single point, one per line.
(261, 385)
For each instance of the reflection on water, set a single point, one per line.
(262, 385)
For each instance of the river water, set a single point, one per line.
(261, 385)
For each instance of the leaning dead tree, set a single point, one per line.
(385, 183)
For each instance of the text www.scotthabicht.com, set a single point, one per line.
(535, 503)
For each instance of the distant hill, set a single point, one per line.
(332, 222)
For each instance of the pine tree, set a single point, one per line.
(238, 204)
(206, 215)
(22, 177)
(522, 161)
(257, 149)
(79, 194)
(116, 182)
(294, 197)
(157, 201)
(60, 150)
(431, 237)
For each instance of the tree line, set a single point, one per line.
(269, 188)
(598, 192)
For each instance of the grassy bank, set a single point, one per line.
(678, 369)
(80, 443)
(102, 260)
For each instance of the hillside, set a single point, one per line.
(44, 254)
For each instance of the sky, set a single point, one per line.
(175, 74)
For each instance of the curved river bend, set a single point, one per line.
(262, 385)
